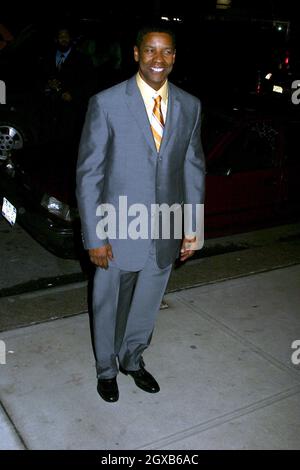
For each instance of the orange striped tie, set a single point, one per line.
(157, 122)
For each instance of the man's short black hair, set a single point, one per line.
(63, 26)
(154, 28)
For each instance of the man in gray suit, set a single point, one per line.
(140, 147)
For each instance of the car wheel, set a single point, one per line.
(14, 135)
(10, 139)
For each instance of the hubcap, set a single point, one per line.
(10, 139)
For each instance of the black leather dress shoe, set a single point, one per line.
(108, 389)
(142, 379)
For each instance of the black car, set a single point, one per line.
(25, 149)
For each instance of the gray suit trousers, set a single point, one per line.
(125, 306)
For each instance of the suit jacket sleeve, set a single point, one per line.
(194, 184)
(91, 169)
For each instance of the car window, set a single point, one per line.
(213, 128)
(254, 148)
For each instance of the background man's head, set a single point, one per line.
(63, 39)
(155, 53)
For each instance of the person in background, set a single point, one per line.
(67, 76)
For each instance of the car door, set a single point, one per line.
(246, 177)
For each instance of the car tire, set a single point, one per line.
(14, 120)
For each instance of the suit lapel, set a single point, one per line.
(171, 118)
(137, 107)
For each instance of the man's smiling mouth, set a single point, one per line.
(157, 69)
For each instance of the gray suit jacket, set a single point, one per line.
(117, 157)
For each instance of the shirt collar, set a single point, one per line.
(148, 92)
(60, 53)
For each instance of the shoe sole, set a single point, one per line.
(108, 401)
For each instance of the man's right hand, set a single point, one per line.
(54, 84)
(100, 256)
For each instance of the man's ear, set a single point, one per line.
(136, 53)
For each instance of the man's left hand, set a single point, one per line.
(186, 251)
(66, 96)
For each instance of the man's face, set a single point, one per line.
(156, 57)
(63, 40)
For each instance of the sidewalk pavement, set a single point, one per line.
(221, 353)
